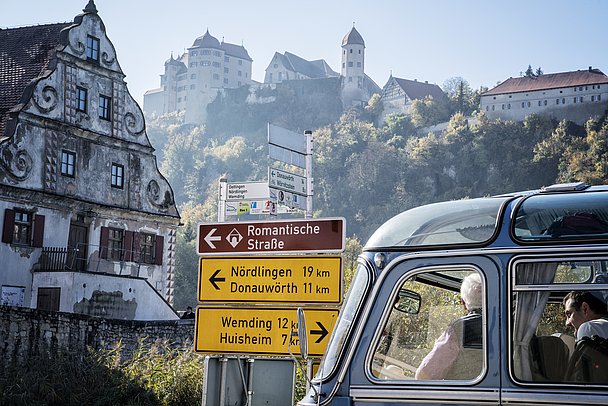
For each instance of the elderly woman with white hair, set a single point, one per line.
(457, 353)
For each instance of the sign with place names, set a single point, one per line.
(256, 207)
(247, 191)
(261, 330)
(286, 181)
(306, 279)
(282, 236)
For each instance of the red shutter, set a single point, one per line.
(38, 237)
(103, 243)
(158, 254)
(128, 247)
(9, 226)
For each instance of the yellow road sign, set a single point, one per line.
(306, 279)
(260, 330)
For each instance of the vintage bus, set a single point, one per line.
(525, 251)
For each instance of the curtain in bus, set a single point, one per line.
(529, 307)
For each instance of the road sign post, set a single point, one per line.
(260, 330)
(271, 279)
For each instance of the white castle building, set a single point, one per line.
(574, 96)
(192, 80)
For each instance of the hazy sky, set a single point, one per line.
(483, 41)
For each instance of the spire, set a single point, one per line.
(90, 8)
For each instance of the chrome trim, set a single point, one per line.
(432, 396)
(577, 397)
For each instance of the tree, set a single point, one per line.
(427, 112)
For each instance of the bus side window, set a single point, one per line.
(444, 339)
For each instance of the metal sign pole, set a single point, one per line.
(309, 189)
(221, 200)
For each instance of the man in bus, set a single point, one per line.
(586, 313)
(457, 353)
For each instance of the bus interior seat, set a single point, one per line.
(568, 339)
(550, 355)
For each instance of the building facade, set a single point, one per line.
(289, 66)
(357, 87)
(398, 94)
(574, 96)
(88, 221)
(193, 80)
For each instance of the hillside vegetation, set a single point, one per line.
(363, 171)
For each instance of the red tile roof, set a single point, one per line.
(550, 81)
(25, 53)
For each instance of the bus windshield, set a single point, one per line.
(353, 301)
(456, 222)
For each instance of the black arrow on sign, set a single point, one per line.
(322, 333)
(213, 279)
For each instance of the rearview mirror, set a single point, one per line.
(302, 333)
(408, 301)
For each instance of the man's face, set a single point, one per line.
(574, 318)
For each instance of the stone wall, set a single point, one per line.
(27, 332)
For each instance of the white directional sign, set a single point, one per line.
(286, 181)
(247, 191)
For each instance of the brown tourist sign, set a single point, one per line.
(283, 236)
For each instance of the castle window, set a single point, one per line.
(193, 76)
(68, 160)
(359, 52)
(523, 105)
(194, 53)
(225, 70)
(216, 76)
(592, 98)
(240, 73)
(564, 100)
(206, 63)
(574, 100)
(539, 103)
(528, 104)
(580, 89)
(226, 81)
(206, 52)
(217, 53)
(581, 99)
(487, 108)
(216, 64)
(351, 50)
(503, 106)
(545, 102)
(117, 180)
(350, 64)
(192, 87)
(226, 59)
(92, 51)
(350, 78)
(556, 101)
(358, 64)
(105, 107)
(240, 61)
(493, 107)
(599, 97)
(509, 106)
(81, 99)
(343, 65)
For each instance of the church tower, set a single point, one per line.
(353, 64)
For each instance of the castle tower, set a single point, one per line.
(353, 64)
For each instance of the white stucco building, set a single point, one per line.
(191, 81)
(574, 96)
(88, 222)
